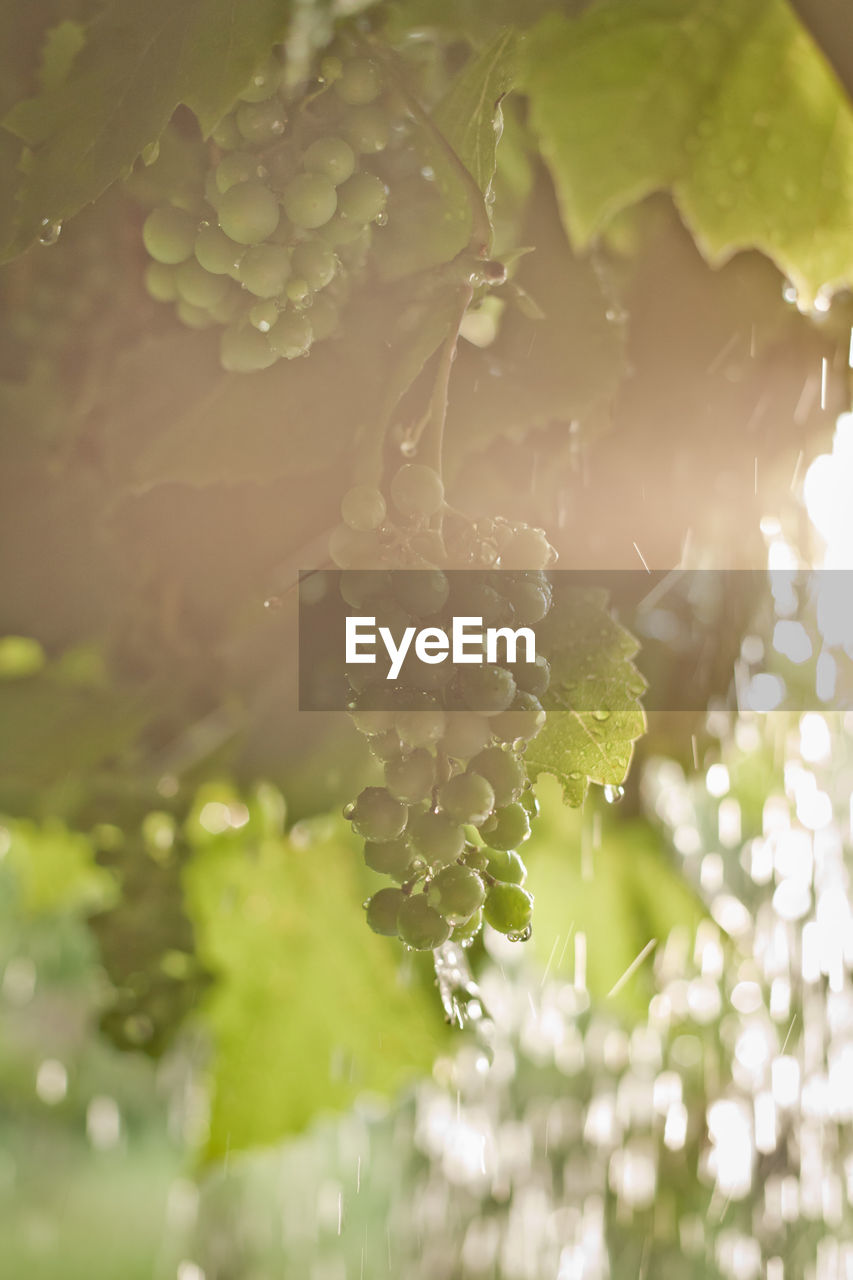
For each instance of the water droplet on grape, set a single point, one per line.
(381, 219)
(51, 229)
(601, 715)
(613, 794)
(524, 936)
(408, 448)
(428, 172)
(349, 810)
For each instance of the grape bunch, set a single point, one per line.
(456, 806)
(268, 239)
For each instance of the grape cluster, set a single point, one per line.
(456, 805)
(281, 219)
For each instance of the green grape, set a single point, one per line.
(309, 200)
(429, 545)
(216, 252)
(383, 909)
(530, 598)
(298, 292)
(508, 827)
(417, 490)
(385, 746)
(245, 350)
(169, 234)
(239, 166)
(527, 548)
(348, 547)
(477, 858)
(332, 157)
(323, 317)
(193, 317)
(331, 69)
(160, 282)
(419, 728)
(358, 83)
(368, 130)
(316, 263)
(373, 723)
(488, 688)
(261, 122)
(422, 592)
(361, 586)
(437, 837)
(523, 721)
(363, 198)
(530, 802)
(228, 307)
(480, 600)
(263, 315)
(468, 798)
(363, 507)
(226, 134)
(508, 908)
(505, 865)
(420, 926)
(503, 770)
(411, 778)
(466, 733)
(467, 932)
(376, 815)
(291, 336)
(456, 892)
(533, 677)
(341, 232)
(248, 212)
(264, 82)
(199, 287)
(389, 857)
(264, 270)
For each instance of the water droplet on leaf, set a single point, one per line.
(51, 229)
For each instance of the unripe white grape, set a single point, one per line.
(245, 350)
(169, 234)
(216, 252)
(358, 83)
(248, 213)
(417, 490)
(160, 282)
(309, 200)
(291, 335)
(333, 157)
(199, 287)
(363, 507)
(265, 269)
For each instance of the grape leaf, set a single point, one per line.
(140, 61)
(62, 43)
(202, 426)
(434, 214)
(731, 107)
(469, 115)
(619, 888)
(595, 689)
(309, 1010)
